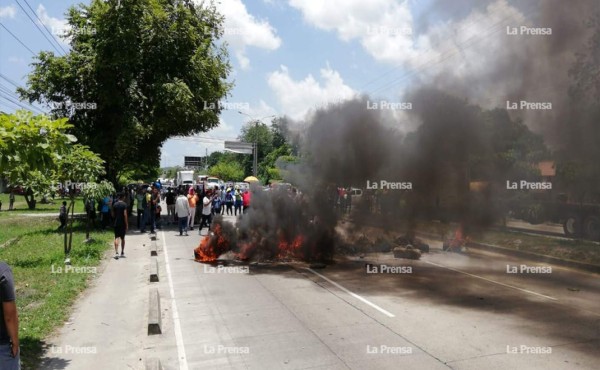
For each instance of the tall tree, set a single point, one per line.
(30, 145)
(136, 74)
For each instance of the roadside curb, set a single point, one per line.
(154, 314)
(528, 255)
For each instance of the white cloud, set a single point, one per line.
(384, 28)
(56, 26)
(244, 30)
(297, 98)
(8, 11)
(262, 109)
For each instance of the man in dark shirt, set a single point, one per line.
(9, 325)
(119, 214)
(170, 198)
(154, 201)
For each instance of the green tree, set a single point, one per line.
(134, 76)
(30, 146)
(256, 132)
(227, 170)
(79, 166)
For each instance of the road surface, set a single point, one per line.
(475, 310)
(451, 311)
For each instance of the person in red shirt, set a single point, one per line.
(246, 200)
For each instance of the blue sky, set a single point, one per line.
(290, 56)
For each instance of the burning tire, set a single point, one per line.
(572, 225)
(592, 228)
(407, 252)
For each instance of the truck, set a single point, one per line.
(185, 178)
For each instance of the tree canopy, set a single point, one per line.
(135, 76)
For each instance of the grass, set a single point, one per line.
(21, 206)
(32, 246)
(575, 250)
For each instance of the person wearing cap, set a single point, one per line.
(238, 202)
(229, 201)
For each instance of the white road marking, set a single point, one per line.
(387, 313)
(492, 281)
(177, 325)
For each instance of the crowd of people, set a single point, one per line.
(187, 207)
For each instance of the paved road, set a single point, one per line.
(453, 311)
(450, 311)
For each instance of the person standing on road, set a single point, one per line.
(246, 200)
(182, 208)
(154, 202)
(170, 199)
(223, 195)
(192, 200)
(9, 324)
(119, 213)
(140, 199)
(206, 212)
(146, 219)
(238, 201)
(229, 201)
(216, 202)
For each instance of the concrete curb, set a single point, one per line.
(153, 248)
(154, 270)
(528, 255)
(154, 316)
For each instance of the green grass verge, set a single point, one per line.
(575, 250)
(32, 246)
(21, 206)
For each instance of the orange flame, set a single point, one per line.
(212, 246)
(291, 249)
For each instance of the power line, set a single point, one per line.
(16, 102)
(9, 80)
(12, 95)
(16, 38)
(43, 24)
(38, 27)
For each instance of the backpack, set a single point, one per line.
(228, 198)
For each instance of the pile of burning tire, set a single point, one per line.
(410, 248)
